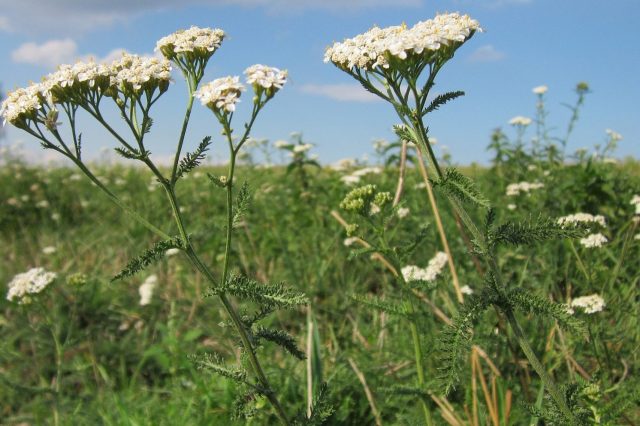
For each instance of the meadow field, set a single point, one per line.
(404, 290)
(88, 345)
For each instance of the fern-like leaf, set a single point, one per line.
(130, 154)
(460, 187)
(215, 363)
(440, 100)
(321, 410)
(528, 302)
(275, 296)
(243, 201)
(193, 159)
(379, 304)
(149, 256)
(455, 340)
(282, 338)
(532, 232)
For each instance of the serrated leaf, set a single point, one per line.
(270, 295)
(532, 231)
(379, 304)
(440, 100)
(460, 187)
(193, 159)
(149, 256)
(281, 338)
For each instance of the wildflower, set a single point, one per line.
(635, 201)
(298, 149)
(43, 204)
(281, 144)
(430, 273)
(21, 105)
(514, 189)
(520, 121)
(133, 74)
(421, 43)
(511, 206)
(350, 179)
(613, 135)
(594, 240)
(591, 304)
(343, 164)
(359, 200)
(266, 78)
(146, 289)
(466, 290)
(403, 212)
(31, 282)
(78, 279)
(573, 219)
(540, 90)
(221, 95)
(190, 44)
(49, 250)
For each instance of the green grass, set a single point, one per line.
(125, 364)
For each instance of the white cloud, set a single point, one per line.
(340, 92)
(68, 17)
(48, 54)
(487, 53)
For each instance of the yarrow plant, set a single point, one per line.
(132, 84)
(399, 64)
(23, 287)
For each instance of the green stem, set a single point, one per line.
(183, 132)
(581, 265)
(417, 349)
(421, 134)
(56, 389)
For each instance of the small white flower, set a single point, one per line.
(266, 77)
(514, 189)
(593, 240)
(280, 144)
(466, 290)
(430, 273)
(520, 121)
(613, 135)
(403, 212)
(573, 219)
(302, 148)
(221, 94)
(591, 304)
(511, 206)
(635, 201)
(49, 250)
(375, 209)
(540, 90)
(31, 282)
(350, 179)
(146, 289)
(202, 41)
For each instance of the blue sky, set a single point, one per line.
(526, 43)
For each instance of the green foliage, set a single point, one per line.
(460, 187)
(532, 232)
(374, 302)
(282, 338)
(151, 255)
(243, 201)
(216, 364)
(129, 153)
(455, 339)
(193, 159)
(528, 302)
(321, 410)
(275, 296)
(440, 100)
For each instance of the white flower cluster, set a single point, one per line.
(31, 282)
(375, 47)
(135, 72)
(355, 176)
(221, 94)
(281, 144)
(635, 201)
(403, 212)
(519, 120)
(573, 219)
(201, 41)
(129, 74)
(591, 304)
(613, 135)
(430, 273)
(146, 289)
(594, 240)
(540, 90)
(299, 149)
(266, 77)
(514, 189)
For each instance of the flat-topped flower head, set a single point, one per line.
(21, 105)
(590, 304)
(22, 286)
(574, 219)
(265, 78)
(594, 240)
(379, 47)
(192, 43)
(221, 95)
(133, 74)
(70, 83)
(520, 121)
